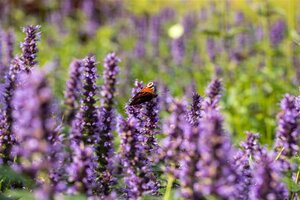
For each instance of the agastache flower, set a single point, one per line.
(277, 32)
(213, 94)
(196, 110)
(34, 130)
(81, 170)
(7, 139)
(29, 46)
(155, 32)
(268, 180)
(107, 119)
(178, 50)
(9, 44)
(250, 151)
(72, 89)
(288, 132)
(174, 128)
(134, 111)
(189, 164)
(139, 177)
(141, 27)
(89, 125)
(218, 175)
(150, 128)
(211, 49)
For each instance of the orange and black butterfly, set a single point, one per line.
(146, 94)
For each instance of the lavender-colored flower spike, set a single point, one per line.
(178, 50)
(218, 176)
(251, 146)
(288, 130)
(134, 111)
(155, 32)
(139, 178)
(213, 94)
(141, 27)
(250, 150)
(189, 164)
(89, 126)
(195, 113)
(72, 89)
(81, 170)
(34, 129)
(150, 126)
(267, 178)
(107, 120)
(7, 139)
(211, 49)
(9, 44)
(277, 32)
(171, 146)
(111, 70)
(29, 46)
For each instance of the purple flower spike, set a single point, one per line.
(155, 33)
(213, 94)
(35, 131)
(189, 164)
(139, 178)
(81, 171)
(250, 150)
(9, 41)
(134, 111)
(29, 46)
(267, 180)
(251, 146)
(7, 138)
(171, 150)
(150, 128)
(111, 70)
(288, 132)
(89, 126)
(195, 113)
(178, 50)
(277, 32)
(218, 175)
(107, 120)
(72, 89)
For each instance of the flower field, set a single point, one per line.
(172, 100)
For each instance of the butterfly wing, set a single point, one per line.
(142, 97)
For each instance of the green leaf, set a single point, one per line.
(75, 197)
(292, 186)
(20, 194)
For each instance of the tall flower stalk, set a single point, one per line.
(34, 129)
(7, 139)
(90, 122)
(9, 44)
(72, 91)
(107, 118)
(139, 177)
(288, 130)
(29, 46)
(218, 175)
(267, 178)
(250, 152)
(213, 94)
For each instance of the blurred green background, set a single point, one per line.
(256, 73)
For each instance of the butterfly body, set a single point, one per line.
(146, 94)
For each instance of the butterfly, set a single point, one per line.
(146, 94)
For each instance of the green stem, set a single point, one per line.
(169, 187)
(296, 181)
(279, 154)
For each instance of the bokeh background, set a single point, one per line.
(253, 46)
